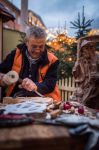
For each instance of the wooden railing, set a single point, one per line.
(66, 86)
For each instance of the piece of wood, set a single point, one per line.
(55, 113)
(11, 100)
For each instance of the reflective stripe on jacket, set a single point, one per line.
(42, 72)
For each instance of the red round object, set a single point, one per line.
(68, 103)
(66, 106)
(81, 110)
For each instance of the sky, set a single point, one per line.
(60, 12)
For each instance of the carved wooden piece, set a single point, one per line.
(86, 73)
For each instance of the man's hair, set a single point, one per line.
(36, 32)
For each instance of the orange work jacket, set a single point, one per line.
(42, 72)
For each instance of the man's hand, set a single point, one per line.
(28, 85)
(9, 78)
(4, 80)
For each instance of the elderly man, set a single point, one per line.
(36, 67)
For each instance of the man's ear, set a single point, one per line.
(25, 39)
(26, 42)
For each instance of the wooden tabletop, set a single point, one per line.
(39, 137)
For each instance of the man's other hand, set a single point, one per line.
(28, 84)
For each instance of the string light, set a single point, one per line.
(94, 32)
(57, 42)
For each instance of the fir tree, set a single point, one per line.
(82, 25)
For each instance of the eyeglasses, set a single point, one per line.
(37, 46)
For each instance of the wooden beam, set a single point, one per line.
(1, 34)
(1, 30)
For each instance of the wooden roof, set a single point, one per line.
(5, 14)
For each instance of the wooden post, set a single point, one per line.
(1, 34)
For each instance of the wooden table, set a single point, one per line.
(39, 137)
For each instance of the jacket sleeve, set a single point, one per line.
(7, 63)
(49, 82)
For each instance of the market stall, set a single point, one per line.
(5, 16)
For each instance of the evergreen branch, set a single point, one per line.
(78, 19)
(89, 22)
(83, 21)
(74, 24)
(74, 27)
